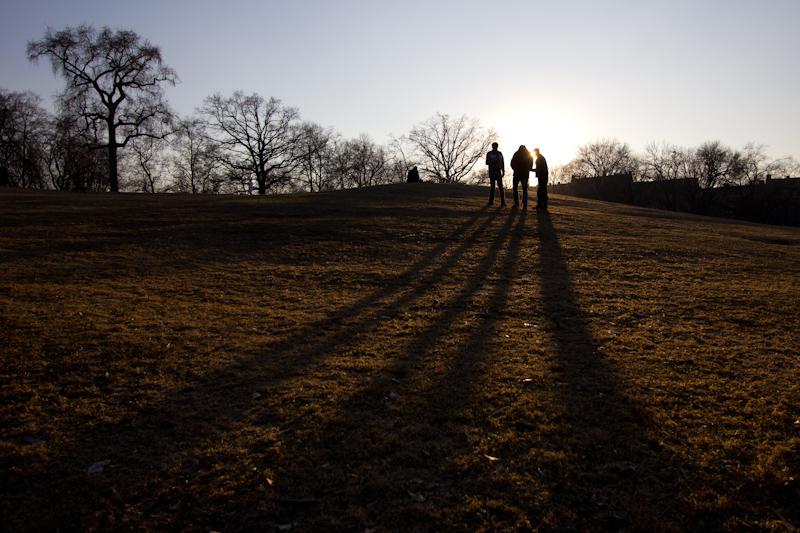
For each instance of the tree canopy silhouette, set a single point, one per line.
(259, 137)
(114, 84)
(449, 148)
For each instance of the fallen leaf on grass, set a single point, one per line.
(491, 459)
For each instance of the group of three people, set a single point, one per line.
(522, 163)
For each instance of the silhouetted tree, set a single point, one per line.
(403, 158)
(196, 163)
(369, 163)
(603, 157)
(72, 162)
(259, 137)
(718, 165)
(147, 163)
(671, 166)
(24, 130)
(315, 146)
(660, 162)
(358, 163)
(114, 82)
(450, 148)
(756, 165)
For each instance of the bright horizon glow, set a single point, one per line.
(555, 136)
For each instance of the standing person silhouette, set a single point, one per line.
(542, 175)
(497, 169)
(521, 163)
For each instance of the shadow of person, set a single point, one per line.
(615, 473)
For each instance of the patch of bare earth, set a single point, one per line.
(400, 358)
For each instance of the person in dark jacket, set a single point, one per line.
(496, 164)
(542, 175)
(413, 175)
(521, 164)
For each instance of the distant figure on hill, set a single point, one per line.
(497, 169)
(413, 175)
(542, 175)
(521, 164)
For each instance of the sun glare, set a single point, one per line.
(555, 136)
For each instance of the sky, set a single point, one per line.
(553, 75)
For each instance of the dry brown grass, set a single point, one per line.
(401, 358)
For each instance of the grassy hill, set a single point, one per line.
(398, 358)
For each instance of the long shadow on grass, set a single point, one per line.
(179, 437)
(342, 452)
(303, 348)
(611, 473)
(397, 453)
(413, 446)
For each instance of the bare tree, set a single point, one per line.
(603, 157)
(675, 170)
(660, 162)
(756, 165)
(450, 148)
(558, 174)
(148, 164)
(403, 158)
(315, 145)
(339, 164)
(114, 82)
(718, 165)
(369, 163)
(358, 163)
(24, 129)
(790, 166)
(72, 162)
(259, 137)
(196, 162)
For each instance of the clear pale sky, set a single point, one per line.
(552, 75)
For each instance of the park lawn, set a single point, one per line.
(394, 358)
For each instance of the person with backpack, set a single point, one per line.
(521, 164)
(497, 169)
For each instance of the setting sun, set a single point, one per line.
(554, 135)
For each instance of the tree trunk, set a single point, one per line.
(113, 180)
